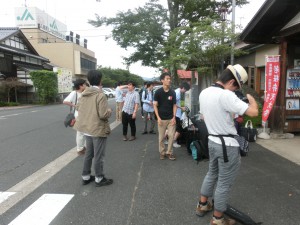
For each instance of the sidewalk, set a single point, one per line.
(287, 148)
(267, 186)
(16, 107)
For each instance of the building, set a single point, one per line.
(50, 38)
(275, 30)
(17, 58)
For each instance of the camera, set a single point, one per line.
(240, 95)
(245, 99)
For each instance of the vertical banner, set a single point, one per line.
(271, 85)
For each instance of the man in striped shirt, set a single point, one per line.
(130, 107)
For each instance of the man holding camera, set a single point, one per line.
(218, 104)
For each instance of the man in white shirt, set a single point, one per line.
(218, 104)
(119, 100)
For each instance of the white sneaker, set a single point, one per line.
(175, 145)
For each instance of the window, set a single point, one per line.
(87, 64)
(252, 77)
(262, 78)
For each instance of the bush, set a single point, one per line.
(45, 83)
(2, 104)
(256, 121)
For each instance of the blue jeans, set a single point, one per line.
(220, 174)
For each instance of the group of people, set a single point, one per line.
(162, 106)
(218, 105)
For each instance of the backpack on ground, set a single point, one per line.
(198, 150)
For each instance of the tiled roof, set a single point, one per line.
(7, 31)
(183, 74)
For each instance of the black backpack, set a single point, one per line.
(199, 151)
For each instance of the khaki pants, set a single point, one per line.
(166, 125)
(119, 106)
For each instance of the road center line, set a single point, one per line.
(32, 182)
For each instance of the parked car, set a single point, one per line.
(106, 93)
(109, 92)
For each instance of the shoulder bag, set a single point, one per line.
(70, 118)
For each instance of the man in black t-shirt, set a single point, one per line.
(165, 110)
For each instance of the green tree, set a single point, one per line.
(202, 46)
(112, 76)
(148, 30)
(45, 83)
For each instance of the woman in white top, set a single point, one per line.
(72, 100)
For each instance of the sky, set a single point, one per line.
(76, 13)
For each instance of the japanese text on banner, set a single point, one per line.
(272, 85)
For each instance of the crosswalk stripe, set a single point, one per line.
(43, 210)
(5, 195)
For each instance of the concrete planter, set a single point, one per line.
(260, 130)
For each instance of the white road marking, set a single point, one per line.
(44, 210)
(29, 184)
(32, 182)
(5, 195)
(17, 114)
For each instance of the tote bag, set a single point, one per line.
(248, 132)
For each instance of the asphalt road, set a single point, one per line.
(146, 190)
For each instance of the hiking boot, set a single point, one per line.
(175, 145)
(222, 221)
(104, 182)
(201, 210)
(171, 157)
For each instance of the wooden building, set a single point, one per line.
(275, 30)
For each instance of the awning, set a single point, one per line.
(28, 67)
(267, 23)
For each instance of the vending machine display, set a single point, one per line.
(293, 83)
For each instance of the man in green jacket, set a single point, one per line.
(92, 120)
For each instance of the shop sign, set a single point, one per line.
(271, 85)
(32, 17)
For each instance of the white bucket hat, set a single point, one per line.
(239, 73)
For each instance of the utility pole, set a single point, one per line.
(233, 31)
(223, 11)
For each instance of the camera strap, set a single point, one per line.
(217, 85)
